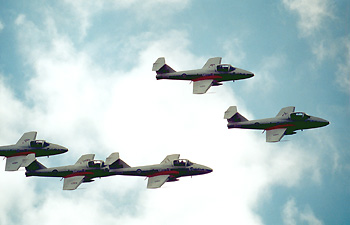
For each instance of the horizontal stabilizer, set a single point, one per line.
(112, 158)
(114, 162)
(230, 112)
(232, 115)
(35, 165)
(26, 138)
(158, 64)
(165, 69)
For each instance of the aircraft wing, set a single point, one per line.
(201, 86)
(85, 158)
(157, 181)
(71, 183)
(29, 136)
(170, 158)
(15, 162)
(275, 135)
(286, 111)
(212, 62)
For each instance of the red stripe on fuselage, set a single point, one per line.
(164, 173)
(20, 153)
(212, 77)
(280, 126)
(79, 174)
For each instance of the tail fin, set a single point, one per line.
(26, 138)
(35, 165)
(232, 115)
(160, 67)
(114, 162)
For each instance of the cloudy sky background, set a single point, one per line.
(80, 74)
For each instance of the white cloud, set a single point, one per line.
(234, 51)
(264, 81)
(312, 13)
(324, 50)
(343, 72)
(292, 215)
(156, 11)
(290, 211)
(1, 26)
(91, 109)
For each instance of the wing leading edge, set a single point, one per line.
(275, 135)
(71, 183)
(212, 62)
(85, 158)
(286, 111)
(29, 136)
(201, 86)
(157, 181)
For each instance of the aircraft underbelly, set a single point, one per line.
(263, 126)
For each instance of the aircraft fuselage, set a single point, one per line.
(275, 123)
(148, 171)
(15, 150)
(203, 74)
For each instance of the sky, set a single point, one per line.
(80, 74)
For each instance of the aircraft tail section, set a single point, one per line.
(35, 165)
(232, 115)
(160, 67)
(26, 138)
(114, 162)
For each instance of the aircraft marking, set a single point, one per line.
(280, 126)
(20, 153)
(79, 174)
(207, 78)
(164, 173)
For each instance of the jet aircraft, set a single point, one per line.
(23, 153)
(285, 123)
(212, 74)
(86, 169)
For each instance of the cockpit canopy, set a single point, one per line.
(38, 144)
(96, 164)
(299, 116)
(182, 162)
(225, 68)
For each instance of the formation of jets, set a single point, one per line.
(213, 73)
(86, 169)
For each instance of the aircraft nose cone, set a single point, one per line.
(324, 122)
(62, 149)
(208, 169)
(244, 73)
